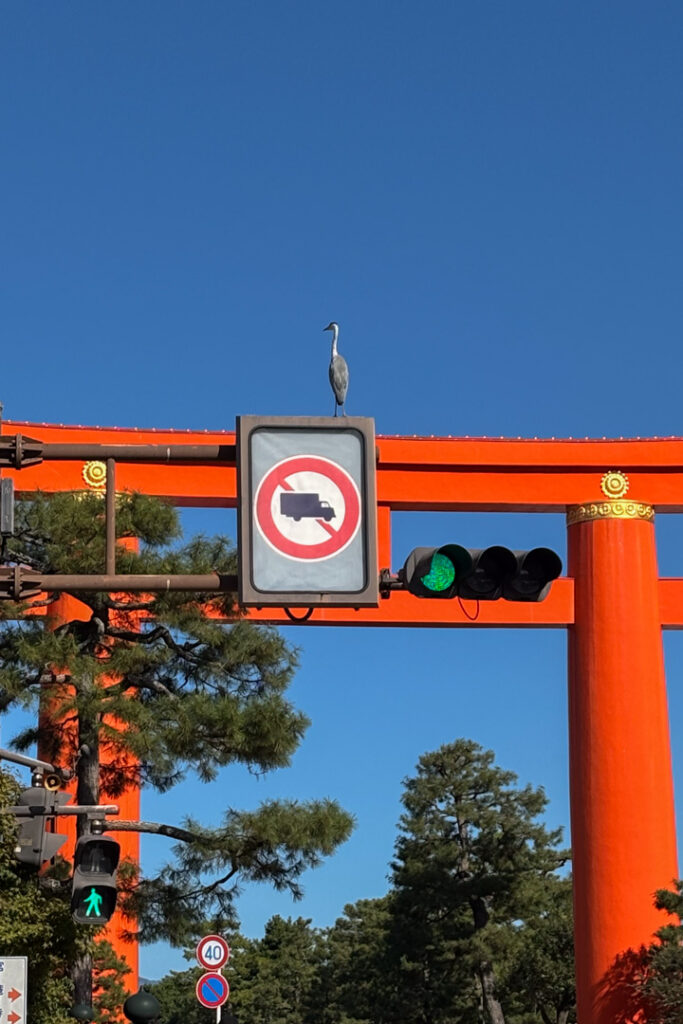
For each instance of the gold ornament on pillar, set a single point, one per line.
(614, 485)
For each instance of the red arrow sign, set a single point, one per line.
(13, 1017)
(13, 994)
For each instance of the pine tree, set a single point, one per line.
(176, 993)
(159, 683)
(471, 864)
(273, 978)
(541, 971)
(660, 978)
(36, 922)
(360, 977)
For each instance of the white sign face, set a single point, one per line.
(13, 994)
(212, 952)
(307, 511)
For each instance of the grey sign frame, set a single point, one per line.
(367, 595)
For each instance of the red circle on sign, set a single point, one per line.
(215, 962)
(277, 477)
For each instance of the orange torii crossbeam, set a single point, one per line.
(613, 605)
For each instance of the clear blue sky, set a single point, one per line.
(487, 198)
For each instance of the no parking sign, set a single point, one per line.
(307, 511)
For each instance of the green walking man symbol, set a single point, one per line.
(93, 903)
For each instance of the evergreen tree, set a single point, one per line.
(271, 979)
(472, 863)
(541, 974)
(660, 980)
(177, 997)
(158, 682)
(274, 977)
(35, 921)
(359, 978)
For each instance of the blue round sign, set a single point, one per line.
(212, 990)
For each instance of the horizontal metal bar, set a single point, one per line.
(19, 584)
(141, 583)
(18, 451)
(28, 762)
(142, 452)
(23, 811)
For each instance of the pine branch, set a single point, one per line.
(50, 679)
(204, 890)
(50, 599)
(150, 637)
(141, 684)
(156, 828)
(128, 606)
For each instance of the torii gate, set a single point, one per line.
(613, 604)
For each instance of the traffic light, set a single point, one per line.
(34, 844)
(484, 574)
(6, 508)
(93, 890)
(436, 572)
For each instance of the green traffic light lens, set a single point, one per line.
(92, 903)
(441, 574)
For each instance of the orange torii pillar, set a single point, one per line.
(622, 804)
(68, 609)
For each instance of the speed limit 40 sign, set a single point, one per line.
(213, 952)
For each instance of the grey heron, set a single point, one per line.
(339, 371)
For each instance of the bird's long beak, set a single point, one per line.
(328, 328)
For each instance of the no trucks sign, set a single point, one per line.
(307, 511)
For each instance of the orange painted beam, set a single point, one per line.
(404, 609)
(466, 474)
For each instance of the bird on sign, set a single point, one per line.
(339, 371)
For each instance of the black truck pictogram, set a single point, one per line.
(305, 506)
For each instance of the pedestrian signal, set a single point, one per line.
(93, 891)
(484, 574)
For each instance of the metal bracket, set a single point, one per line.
(387, 583)
(18, 584)
(17, 451)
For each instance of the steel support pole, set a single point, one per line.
(68, 609)
(110, 518)
(622, 807)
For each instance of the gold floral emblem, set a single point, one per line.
(95, 475)
(614, 484)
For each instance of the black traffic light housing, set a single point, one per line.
(436, 572)
(93, 890)
(34, 844)
(6, 508)
(483, 574)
